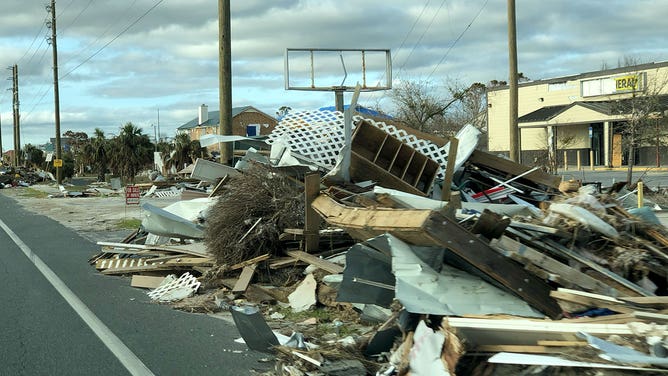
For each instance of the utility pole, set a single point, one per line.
(224, 78)
(514, 149)
(58, 163)
(17, 117)
(158, 125)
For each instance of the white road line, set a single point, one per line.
(129, 360)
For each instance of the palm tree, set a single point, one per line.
(184, 152)
(130, 151)
(98, 149)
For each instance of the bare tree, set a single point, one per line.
(420, 106)
(643, 116)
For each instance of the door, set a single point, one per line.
(616, 150)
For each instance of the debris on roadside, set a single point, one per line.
(396, 272)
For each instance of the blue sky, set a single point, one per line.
(167, 61)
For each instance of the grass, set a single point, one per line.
(33, 193)
(128, 223)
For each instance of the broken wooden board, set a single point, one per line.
(316, 261)
(283, 262)
(491, 331)
(249, 262)
(244, 279)
(588, 302)
(195, 249)
(490, 161)
(657, 302)
(426, 227)
(510, 246)
(146, 281)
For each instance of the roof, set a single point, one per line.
(214, 118)
(604, 72)
(608, 107)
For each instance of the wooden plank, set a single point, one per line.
(146, 281)
(622, 285)
(590, 302)
(315, 261)
(658, 302)
(449, 169)
(511, 246)
(563, 343)
(219, 187)
(284, 262)
(195, 249)
(490, 161)
(244, 279)
(426, 227)
(477, 254)
(525, 349)
(312, 219)
(252, 261)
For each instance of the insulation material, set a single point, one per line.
(425, 355)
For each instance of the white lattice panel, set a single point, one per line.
(184, 286)
(318, 136)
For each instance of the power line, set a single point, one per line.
(109, 26)
(62, 30)
(457, 40)
(112, 40)
(426, 4)
(423, 34)
(33, 42)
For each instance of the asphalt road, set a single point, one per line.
(59, 316)
(650, 176)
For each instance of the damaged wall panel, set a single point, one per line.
(425, 227)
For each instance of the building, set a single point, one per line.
(588, 114)
(246, 121)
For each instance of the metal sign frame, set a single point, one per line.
(340, 88)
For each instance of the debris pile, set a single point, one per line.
(426, 258)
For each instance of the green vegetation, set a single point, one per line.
(128, 223)
(33, 193)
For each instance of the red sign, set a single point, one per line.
(131, 195)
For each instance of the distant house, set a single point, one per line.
(246, 121)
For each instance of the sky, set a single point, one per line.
(153, 62)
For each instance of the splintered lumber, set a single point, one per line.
(426, 227)
(195, 249)
(563, 343)
(527, 349)
(146, 281)
(283, 262)
(252, 261)
(624, 286)
(244, 279)
(658, 302)
(590, 301)
(490, 161)
(486, 331)
(510, 246)
(316, 261)
(130, 265)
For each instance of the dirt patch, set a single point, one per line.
(96, 218)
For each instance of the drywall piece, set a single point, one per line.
(451, 292)
(468, 141)
(621, 354)
(185, 286)
(253, 328)
(546, 360)
(425, 354)
(303, 297)
(586, 218)
(211, 171)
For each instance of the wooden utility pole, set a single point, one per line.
(17, 117)
(225, 78)
(56, 97)
(514, 149)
